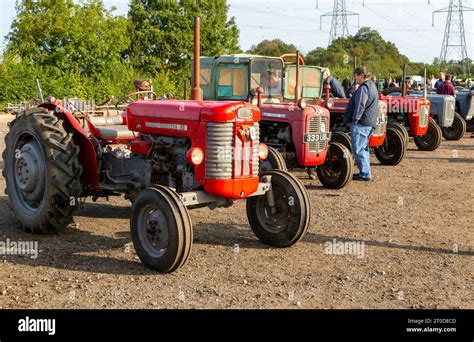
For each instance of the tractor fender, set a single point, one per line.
(87, 156)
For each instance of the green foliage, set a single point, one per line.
(73, 49)
(371, 50)
(162, 35)
(273, 48)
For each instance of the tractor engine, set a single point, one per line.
(164, 163)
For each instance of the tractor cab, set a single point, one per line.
(311, 82)
(237, 77)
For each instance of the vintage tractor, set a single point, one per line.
(443, 112)
(465, 107)
(300, 132)
(169, 156)
(388, 143)
(411, 115)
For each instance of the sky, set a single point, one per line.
(407, 24)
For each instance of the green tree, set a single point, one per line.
(380, 56)
(162, 34)
(274, 48)
(74, 49)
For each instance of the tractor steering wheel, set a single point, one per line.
(130, 98)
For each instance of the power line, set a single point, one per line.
(454, 41)
(339, 14)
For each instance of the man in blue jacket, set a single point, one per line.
(361, 117)
(337, 90)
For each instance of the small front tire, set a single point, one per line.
(289, 220)
(161, 229)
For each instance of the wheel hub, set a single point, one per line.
(29, 170)
(156, 230)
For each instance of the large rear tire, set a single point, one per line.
(337, 169)
(161, 229)
(42, 171)
(289, 221)
(274, 161)
(457, 129)
(393, 149)
(431, 140)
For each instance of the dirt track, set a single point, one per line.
(416, 221)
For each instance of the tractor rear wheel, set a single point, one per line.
(161, 229)
(457, 129)
(42, 171)
(274, 161)
(342, 138)
(338, 167)
(401, 129)
(287, 221)
(431, 140)
(393, 149)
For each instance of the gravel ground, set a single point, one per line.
(415, 221)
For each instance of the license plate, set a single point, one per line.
(308, 138)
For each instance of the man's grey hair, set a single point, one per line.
(326, 70)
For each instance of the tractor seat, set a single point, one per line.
(109, 128)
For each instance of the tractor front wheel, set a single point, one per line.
(42, 171)
(338, 167)
(456, 130)
(161, 229)
(274, 161)
(431, 140)
(393, 149)
(280, 218)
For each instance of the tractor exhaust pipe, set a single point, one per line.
(196, 92)
(40, 92)
(425, 86)
(404, 84)
(297, 86)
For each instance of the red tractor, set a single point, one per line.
(411, 116)
(168, 156)
(387, 142)
(298, 134)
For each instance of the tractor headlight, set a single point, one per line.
(330, 103)
(195, 156)
(262, 151)
(244, 113)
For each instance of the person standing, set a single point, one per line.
(447, 87)
(361, 117)
(440, 80)
(336, 88)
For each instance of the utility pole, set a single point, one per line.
(339, 27)
(454, 41)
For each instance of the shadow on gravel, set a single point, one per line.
(450, 160)
(104, 210)
(321, 239)
(87, 251)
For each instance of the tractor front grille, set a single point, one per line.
(315, 124)
(382, 120)
(246, 154)
(229, 155)
(449, 108)
(424, 114)
(219, 150)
